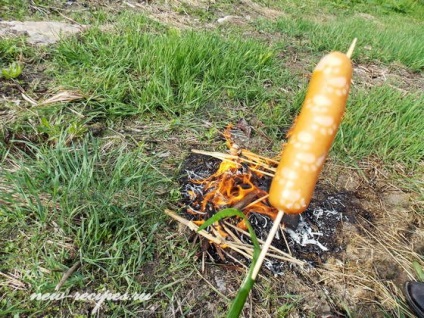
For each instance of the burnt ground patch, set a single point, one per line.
(319, 232)
(357, 237)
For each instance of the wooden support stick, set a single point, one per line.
(215, 154)
(286, 257)
(267, 244)
(194, 227)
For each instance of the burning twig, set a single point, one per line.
(246, 201)
(235, 184)
(235, 159)
(257, 201)
(262, 172)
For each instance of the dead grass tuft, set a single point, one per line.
(13, 280)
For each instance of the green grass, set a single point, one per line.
(381, 122)
(13, 9)
(89, 12)
(384, 123)
(409, 9)
(81, 204)
(132, 71)
(387, 39)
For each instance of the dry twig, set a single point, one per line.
(242, 248)
(67, 274)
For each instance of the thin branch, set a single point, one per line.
(242, 248)
(68, 273)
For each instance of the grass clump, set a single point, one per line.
(99, 208)
(132, 71)
(387, 39)
(13, 9)
(385, 123)
(12, 49)
(380, 122)
(12, 71)
(412, 8)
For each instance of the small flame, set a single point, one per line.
(233, 185)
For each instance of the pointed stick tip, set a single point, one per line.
(351, 48)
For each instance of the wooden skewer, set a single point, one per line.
(267, 244)
(263, 172)
(248, 154)
(351, 48)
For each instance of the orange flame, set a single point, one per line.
(232, 185)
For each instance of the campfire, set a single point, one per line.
(240, 179)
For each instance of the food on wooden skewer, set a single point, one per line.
(310, 139)
(312, 135)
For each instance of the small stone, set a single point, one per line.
(397, 199)
(39, 32)
(229, 18)
(220, 284)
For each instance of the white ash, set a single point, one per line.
(276, 267)
(305, 236)
(319, 212)
(333, 200)
(196, 176)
